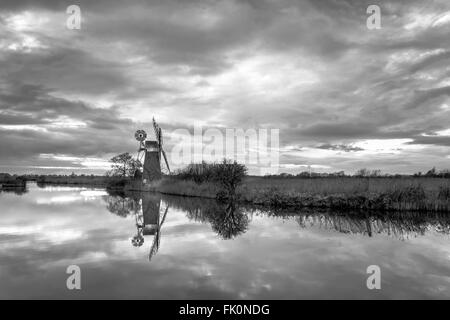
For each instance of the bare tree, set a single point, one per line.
(123, 165)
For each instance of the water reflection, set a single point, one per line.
(229, 220)
(16, 190)
(148, 217)
(209, 250)
(400, 225)
(226, 219)
(122, 206)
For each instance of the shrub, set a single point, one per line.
(228, 175)
(197, 172)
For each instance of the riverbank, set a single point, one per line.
(73, 180)
(381, 194)
(341, 193)
(385, 194)
(178, 187)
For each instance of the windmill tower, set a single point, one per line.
(152, 151)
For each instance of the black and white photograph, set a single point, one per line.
(250, 151)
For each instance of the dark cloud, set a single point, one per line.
(342, 130)
(424, 96)
(61, 5)
(432, 140)
(338, 147)
(67, 69)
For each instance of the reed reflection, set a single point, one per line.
(401, 226)
(230, 220)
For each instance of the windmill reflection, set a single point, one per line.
(149, 222)
(146, 209)
(230, 220)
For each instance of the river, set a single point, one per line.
(151, 246)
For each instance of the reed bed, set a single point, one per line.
(343, 193)
(389, 194)
(185, 188)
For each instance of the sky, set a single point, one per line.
(343, 96)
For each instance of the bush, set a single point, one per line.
(229, 175)
(197, 172)
(226, 174)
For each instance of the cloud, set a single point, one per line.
(431, 94)
(432, 61)
(432, 140)
(309, 68)
(339, 147)
(342, 130)
(65, 69)
(39, 123)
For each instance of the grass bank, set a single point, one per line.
(430, 194)
(382, 194)
(185, 188)
(73, 180)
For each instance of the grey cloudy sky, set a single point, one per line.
(343, 96)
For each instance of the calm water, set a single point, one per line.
(153, 246)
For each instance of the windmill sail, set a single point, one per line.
(159, 139)
(165, 160)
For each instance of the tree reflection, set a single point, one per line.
(227, 219)
(229, 222)
(16, 190)
(122, 206)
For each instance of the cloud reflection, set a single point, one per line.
(277, 255)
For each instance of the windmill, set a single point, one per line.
(152, 150)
